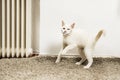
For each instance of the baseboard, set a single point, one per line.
(70, 56)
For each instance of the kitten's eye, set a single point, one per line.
(63, 28)
(68, 29)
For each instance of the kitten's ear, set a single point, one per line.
(63, 23)
(72, 26)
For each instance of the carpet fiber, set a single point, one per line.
(44, 68)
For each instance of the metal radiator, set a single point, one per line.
(15, 35)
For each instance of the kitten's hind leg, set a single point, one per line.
(83, 58)
(88, 54)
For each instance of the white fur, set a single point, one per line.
(77, 38)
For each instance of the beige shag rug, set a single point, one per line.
(44, 68)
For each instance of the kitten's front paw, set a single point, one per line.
(86, 67)
(57, 61)
(77, 63)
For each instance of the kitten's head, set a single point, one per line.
(67, 29)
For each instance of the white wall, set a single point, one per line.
(0, 23)
(36, 25)
(91, 15)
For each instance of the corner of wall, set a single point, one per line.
(35, 25)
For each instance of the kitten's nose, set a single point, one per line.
(64, 32)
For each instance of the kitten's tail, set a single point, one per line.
(99, 34)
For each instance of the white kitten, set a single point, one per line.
(78, 38)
